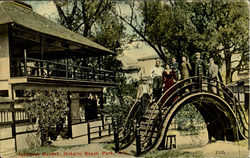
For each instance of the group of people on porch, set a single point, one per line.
(164, 78)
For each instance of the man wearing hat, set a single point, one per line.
(156, 74)
(143, 93)
(199, 65)
(200, 69)
(213, 72)
(175, 67)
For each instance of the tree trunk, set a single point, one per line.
(228, 57)
(43, 133)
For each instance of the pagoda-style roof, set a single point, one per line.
(20, 14)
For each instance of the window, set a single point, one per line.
(4, 93)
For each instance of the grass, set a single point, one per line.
(40, 150)
(45, 149)
(109, 146)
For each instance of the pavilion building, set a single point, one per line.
(37, 53)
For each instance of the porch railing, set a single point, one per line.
(48, 69)
(20, 116)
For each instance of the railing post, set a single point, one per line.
(81, 74)
(88, 130)
(94, 74)
(109, 77)
(74, 73)
(67, 68)
(138, 139)
(41, 68)
(116, 136)
(13, 124)
(25, 62)
(109, 130)
(87, 74)
(200, 82)
(114, 76)
(48, 69)
(100, 132)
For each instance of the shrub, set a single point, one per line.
(48, 106)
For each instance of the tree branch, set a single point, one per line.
(61, 13)
(142, 36)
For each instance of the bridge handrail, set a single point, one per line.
(159, 100)
(164, 109)
(127, 118)
(222, 84)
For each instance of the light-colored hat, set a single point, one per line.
(158, 60)
(197, 53)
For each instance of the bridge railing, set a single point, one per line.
(127, 135)
(179, 90)
(193, 85)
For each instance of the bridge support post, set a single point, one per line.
(116, 135)
(138, 140)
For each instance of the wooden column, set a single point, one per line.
(69, 116)
(25, 62)
(99, 62)
(42, 55)
(101, 107)
(67, 67)
(12, 106)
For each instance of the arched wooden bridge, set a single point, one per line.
(224, 115)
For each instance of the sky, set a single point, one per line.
(133, 51)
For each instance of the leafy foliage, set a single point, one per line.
(115, 109)
(48, 106)
(120, 100)
(189, 120)
(217, 29)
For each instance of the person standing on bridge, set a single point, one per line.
(213, 73)
(199, 66)
(156, 73)
(143, 94)
(185, 70)
(175, 68)
(168, 80)
(200, 69)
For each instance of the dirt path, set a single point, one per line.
(79, 148)
(95, 149)
(222, 149)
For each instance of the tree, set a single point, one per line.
(48, 106)
(120, 100)
(94, 20)
(80, 16)
(217, 29)
(142, 16)
(225, 28)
